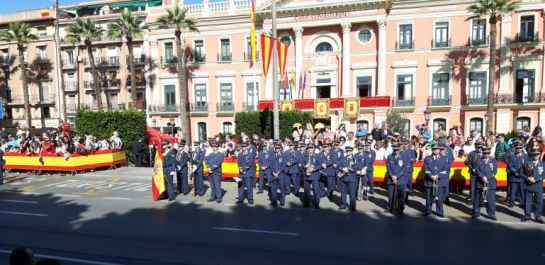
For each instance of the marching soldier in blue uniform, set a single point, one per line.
(397, 181)
(436, 169)
(515, 163)
(2, 163)
(214, 162)
(533, 173)
(486, 186)
(197, 158)
(340, 154)
(447, 152)
(246, 166)
(472, 161)
(182, 177)
(301, 153)
(409, 156)
(348, 179)
(329, 158)
(169, 169)
(360, 163)
(278, 167)
(370, 155)
(507, 157)
(264, 168)
(312, 178)
(293, 158)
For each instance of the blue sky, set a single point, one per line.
(11, 6)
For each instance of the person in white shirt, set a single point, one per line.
(116, 141)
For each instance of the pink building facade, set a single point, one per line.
(424, 56)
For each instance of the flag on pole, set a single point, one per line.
(292, 80)
(300, 88)
(157, 177)
(266, 50)
(285, 83)
(304, 85)
(282, 56)
(252, 36)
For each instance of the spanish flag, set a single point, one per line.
(157, 177)
(266, 50)
(282, 56)
(252, 36)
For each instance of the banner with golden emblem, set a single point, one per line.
(321, 108)
(351, 108)
(287, 105)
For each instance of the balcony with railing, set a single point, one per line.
(439, 44)
(68, 64)
(478, 41)
(403, 102)
(34, 99)
(138, 60)
(199, 107)
(405, 46)
(110, 61)
(475, 100)
(248, 56)
(163, 108)
(249, 106)
(168, 61)
(225, 107)
(526, 37)
(70, 86)
(225, 57)
(108, 84)
(439, 101)
(198, 57)
(140, 83)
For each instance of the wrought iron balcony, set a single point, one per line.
(527, 37)
(248, 55)
(199, 107)
(504, 99)
(163, 108)
(168, 61)
(139, 83)
(224, 57)
(478, 42)
(436, 101)
(198, 57)
(475, 100)
(225, 107)
(401, 46)
(441, 43)
(68, 64)
(249, 107)
(405, 102)
(138, 60)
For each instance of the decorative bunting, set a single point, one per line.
(266, 50)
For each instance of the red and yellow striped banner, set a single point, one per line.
(252, 36)
(266, 50)
(282, 56)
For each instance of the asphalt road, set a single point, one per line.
(108, 217)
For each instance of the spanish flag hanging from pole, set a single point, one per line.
(282, 56)
(158, 177)
(266, 50)
(252, 36)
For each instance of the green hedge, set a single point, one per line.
(131, 125)
(261, 123)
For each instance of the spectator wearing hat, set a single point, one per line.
(436, 168)
(246, 166)
(515, 162)
(214, 162)
(472, 161)
(501, 147)
(396, 181)
(169, 168)
(486, 186)
(534, 187)
(312, 167)
(278, 169)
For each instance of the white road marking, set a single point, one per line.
(229, 204)
(68, 195)
(84, 261)
(117, 198)
(256, 231)
(22, 213)
(18, 201)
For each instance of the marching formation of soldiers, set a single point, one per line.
(350, 171)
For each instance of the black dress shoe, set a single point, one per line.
(493, 217)
(170, 199)
(272, 204)
(251, 201)
(282, 203)
(342, 208)
(475, 216)
(239, 201)
(259, 192)
(524, 219)
(426, 214)
(316, 207)
(510, 205)
(540, 221)
(210, 200)
(219, 200)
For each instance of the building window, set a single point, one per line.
(42, 53)
(225, 50)
(324, 47)
(364, 36)
(526, 28)
(405, 40)
(5, 57)
(201, 132)
(476, 124)
(201, 103)
(198, 55)
(44, 92)
(364, 125)
(404, 89)
(70, 57)
(478, 32)
(170, 97)
(364, 85)
(252, 96)
(114, 100)
(226, 97)
(405, 128)
(477, 87)
(286, 40)
(46, 113)
(228, 127)
(440, 89)
(441, 35)
(525, 86)
(523, 122)
(169, 53)
(439, 123)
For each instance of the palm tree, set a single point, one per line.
(176, 19)
(494, 9)
(87, 31)
(128, 26)
(21, 33)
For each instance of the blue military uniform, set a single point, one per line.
(197, 158)
(534, 190)
(348, 180)
(329, 159)
(396, 166)
(515, 162)
(2, 163)
(409, 156)
(436, 165)
(292, 170)
(472, 161)
(169, 170)
(246, 166)
(278, 167)
(182, 179)
(214, 162)
(264, 169)
(369, 158)
(487, 168)
(340, 155)
(312, 178)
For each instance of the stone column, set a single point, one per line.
(381, 84)
(298, 30)
(346, 59)
(505, 54)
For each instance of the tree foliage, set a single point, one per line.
(261, 122)
(396, 122)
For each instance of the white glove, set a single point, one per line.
(179, 168)
(194, 170)
(172, 173)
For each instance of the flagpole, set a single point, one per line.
(255, 95)
(276, 89)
